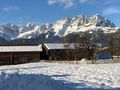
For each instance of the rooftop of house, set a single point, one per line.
(20, 48)
(50, 46)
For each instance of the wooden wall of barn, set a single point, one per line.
(19, 57)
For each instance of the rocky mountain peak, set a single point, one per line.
(99, 20)
(60, 28)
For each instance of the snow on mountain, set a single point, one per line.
(9, 31)
(100, 21)
(32, 31)
(60, 28)
(96, 22)
(29, 33)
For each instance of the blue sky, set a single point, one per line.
(48, 11)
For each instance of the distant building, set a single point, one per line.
(104, 55)
(19, 54)
(116, 56)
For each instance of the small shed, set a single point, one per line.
(57, 51)
(19, 54)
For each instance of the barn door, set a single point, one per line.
(23, 59)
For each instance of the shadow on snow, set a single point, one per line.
(18, 81)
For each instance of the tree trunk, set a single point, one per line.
(92, 59)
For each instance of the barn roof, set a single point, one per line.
(20, 48)
(50, 46)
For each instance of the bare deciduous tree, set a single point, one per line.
(85, 41)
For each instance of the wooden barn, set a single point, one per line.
(57, 51)
(19, 54)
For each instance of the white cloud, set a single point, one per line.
(111, 10)
(9, 8)
(50, 2)
(70, 3)
(110, 1)
(66, 3)
(83, 1)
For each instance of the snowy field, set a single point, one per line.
(56, 76)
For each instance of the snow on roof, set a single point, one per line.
(20, 48)
(59, 46)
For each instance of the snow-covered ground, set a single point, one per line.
(56, 76)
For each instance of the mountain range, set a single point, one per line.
(32, 33)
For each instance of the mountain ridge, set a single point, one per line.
(60, 28)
